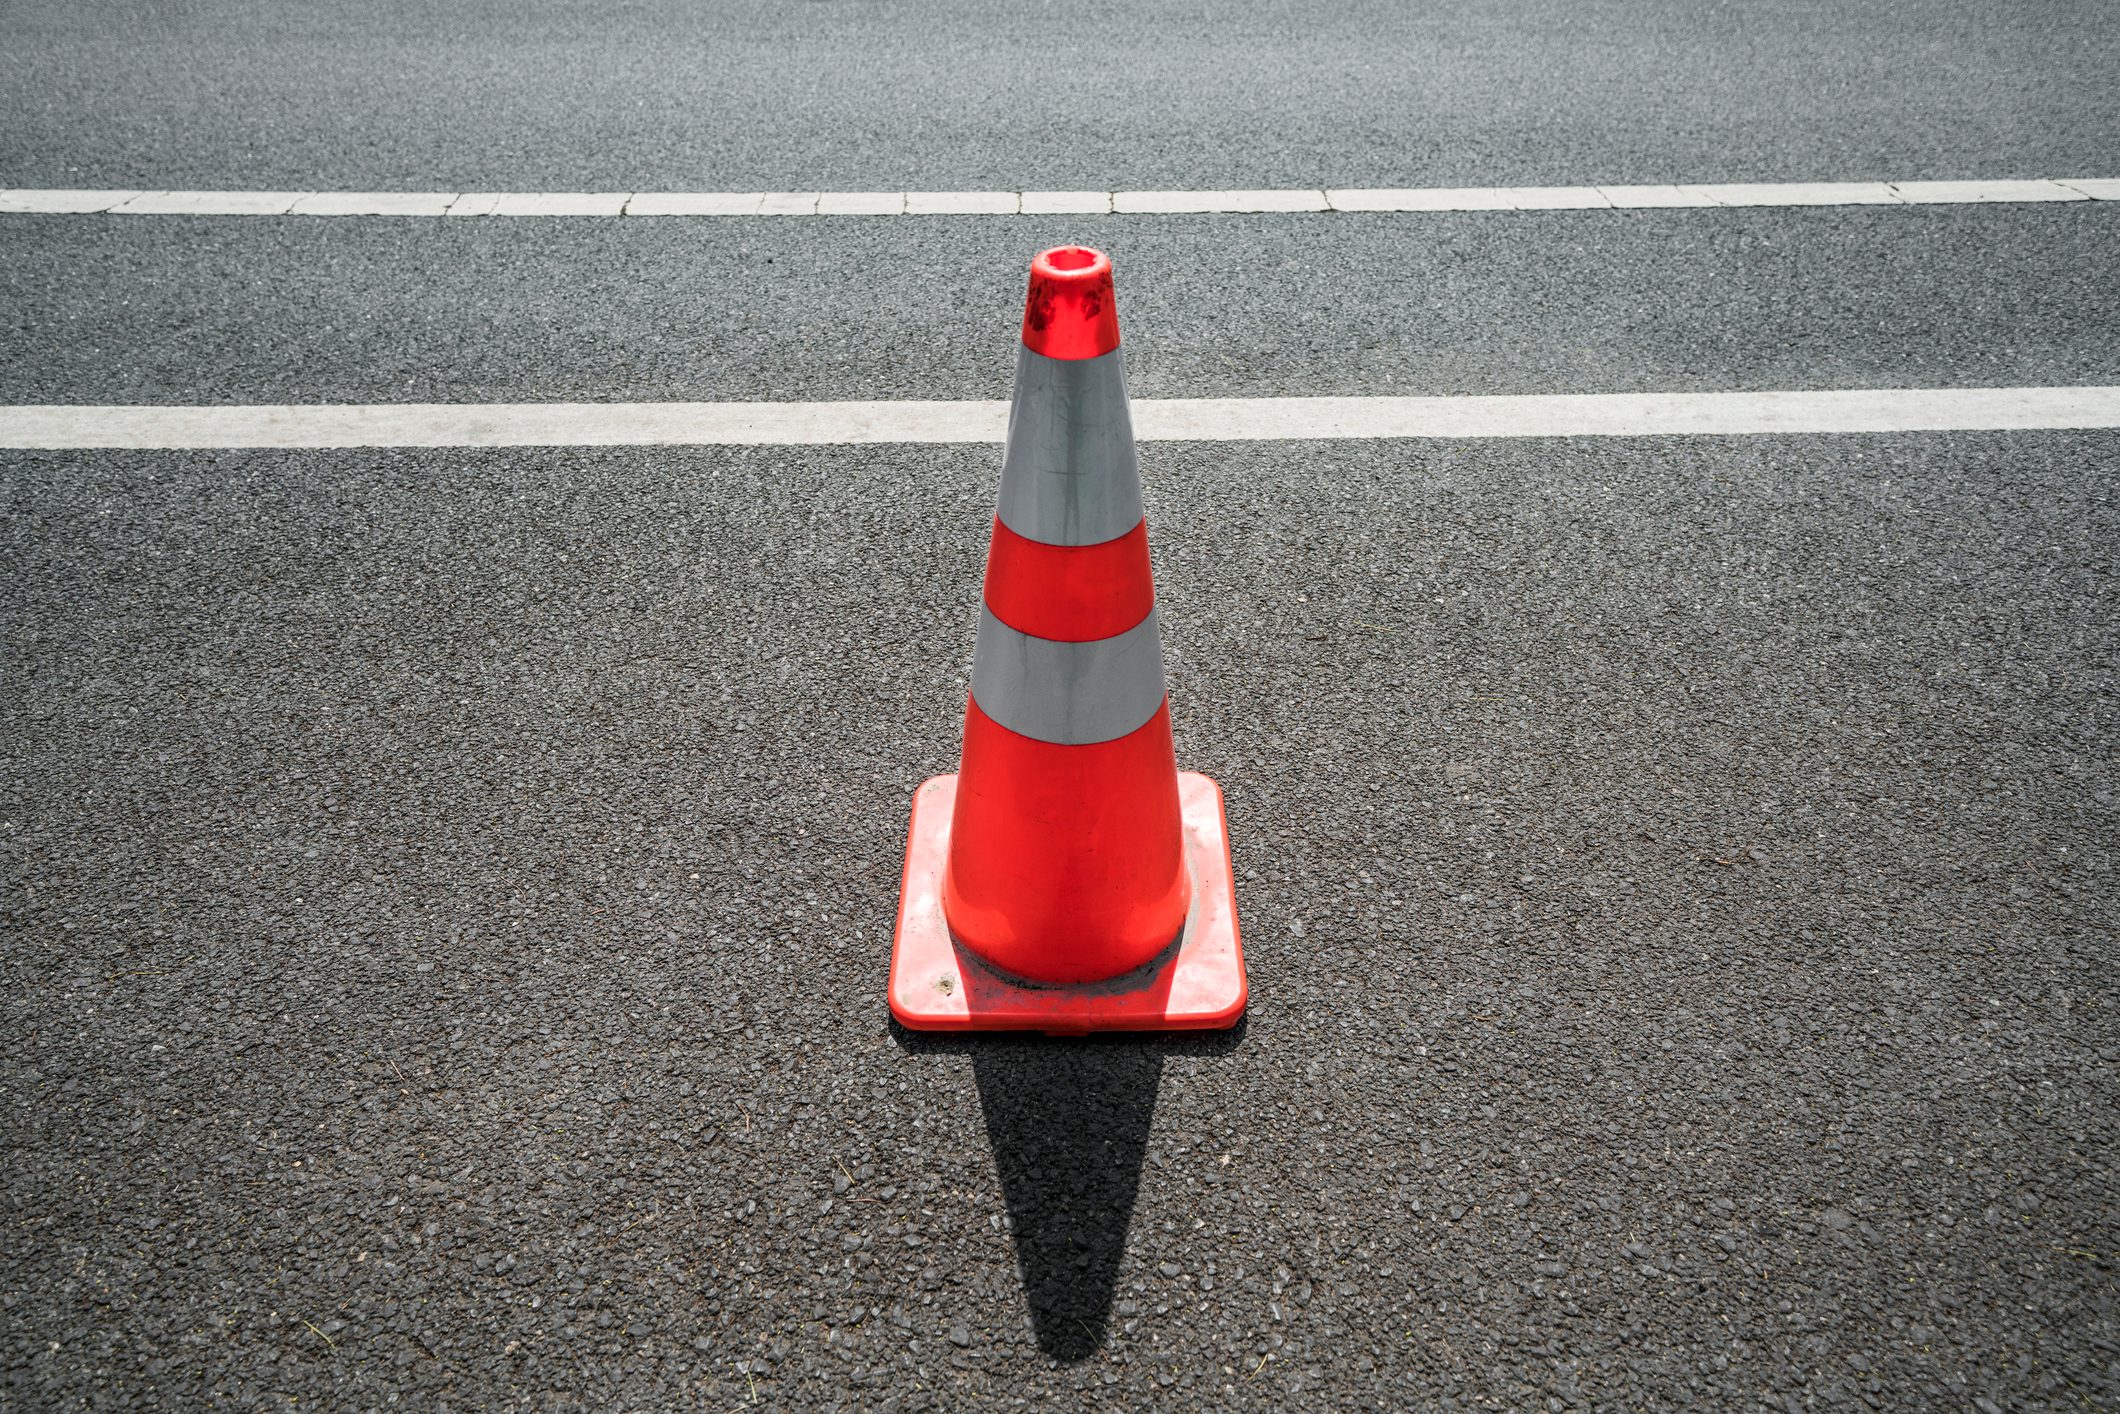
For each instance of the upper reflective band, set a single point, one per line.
(1070, 694)
(1069, 476)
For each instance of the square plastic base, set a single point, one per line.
(937, 985)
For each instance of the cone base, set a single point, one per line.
(1197, 985)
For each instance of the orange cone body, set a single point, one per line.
(1065, 859)
(1068, 878)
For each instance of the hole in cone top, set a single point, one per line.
(1070, 312)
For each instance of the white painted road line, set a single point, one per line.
(211, 203)
(1218, 201)
(63, 203)
(374, 203)
(1919, 192)
(53, 427)
(1804, 193)
(1001, 203)
(1640, 197)
(562, 203)
(963, 203)
(1047, 203)
(1419, 199)
(695, 203)
(1627, 414)
(1557, 198)
(861, 203)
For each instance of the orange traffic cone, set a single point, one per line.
(1068, 878)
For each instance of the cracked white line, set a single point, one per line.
(1155, 419)
(1301, 201)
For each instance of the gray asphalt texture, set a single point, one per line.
(484, 95)
(452, 894)
(445, 896)
(182, 309)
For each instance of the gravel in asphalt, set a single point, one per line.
(512, 95)
(451, 894)
(183, 310)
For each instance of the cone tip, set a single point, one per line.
(1070, 311)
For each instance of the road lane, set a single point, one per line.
(257, 310)
(1675, 877)
(894, 95)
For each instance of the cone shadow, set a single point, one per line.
(1069, 1125)
(1069, 1121)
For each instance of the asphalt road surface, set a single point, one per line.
(199, 310)
(448, 892)
(494, 95)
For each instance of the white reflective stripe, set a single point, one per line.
(1069, 476)
(1070, 694)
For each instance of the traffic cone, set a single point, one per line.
(1068, 878)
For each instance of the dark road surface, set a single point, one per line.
(455, 893)
(663, 95)
(203, 310)
(447, 894)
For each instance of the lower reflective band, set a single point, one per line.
(1069, 694)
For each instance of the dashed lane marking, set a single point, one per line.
(1040, 203)
(53, 427)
